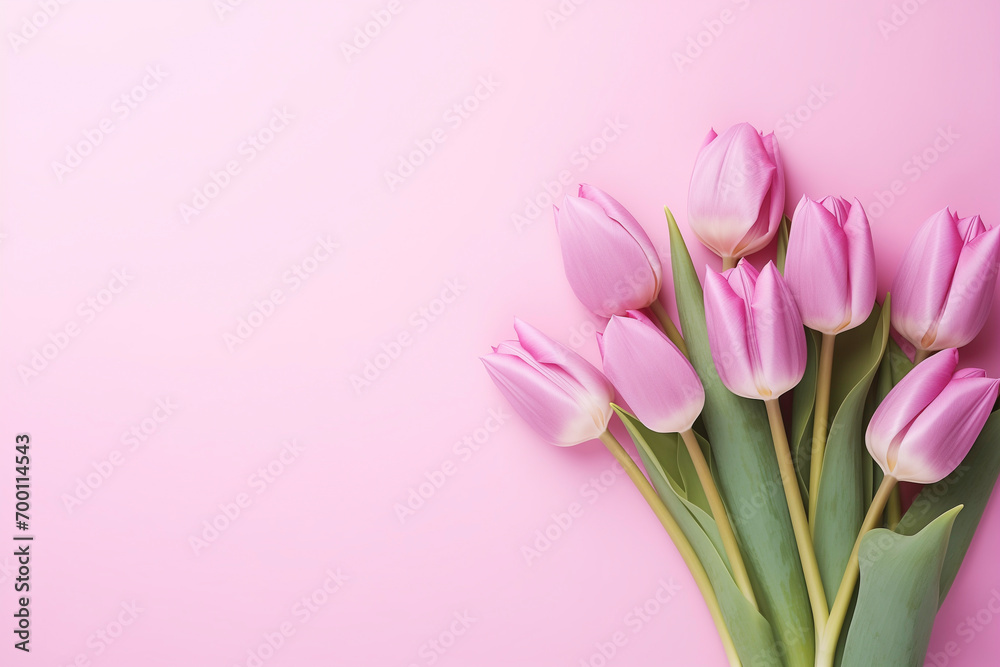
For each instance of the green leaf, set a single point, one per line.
(748, 475)
(842, 489)
(858, 353)
(750, 631)
(899, 363)
(803, 404)
(899, 594)
(878, 392)
(689, 474)
(970, 485)
(779, 257)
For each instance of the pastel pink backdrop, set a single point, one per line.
(878, 98)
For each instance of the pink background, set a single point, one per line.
(447, 229)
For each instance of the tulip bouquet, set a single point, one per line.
(776, 422)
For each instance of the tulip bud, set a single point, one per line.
(943, 290)
(652, 375)
(929, 421)
(558, 392)
(830, 265)
(610, 262)
(737, 193)
(754, 331)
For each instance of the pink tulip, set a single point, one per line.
(737, 194)
(830, 265)
(943, 290)
(754, 331)
(558, 392)
(652, 375)
(610, 262)
(930, 420)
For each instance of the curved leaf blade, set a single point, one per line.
(899, 594)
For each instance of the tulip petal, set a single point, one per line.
(904, 403)
(652, 375)
(921, 285)
(641, 316)
(548, 409)
(971, 227)
(742, 279)
(573, 368)
(863, 278)
(817, 267)
(732, 176)
(772, 208)
(709, 138)
(945, 431)
(781, 340)
(621, 215)
(726, 322)
(971, 295)
(838, 206)
(606, 267)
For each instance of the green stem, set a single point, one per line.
(679, 539)
(828, 645)
(797, 513)
(718, 508)
(894, 511)
(728, 263)
(821, 417)
(920, 355)
(668, 327)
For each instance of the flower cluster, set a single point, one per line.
(756, 326)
